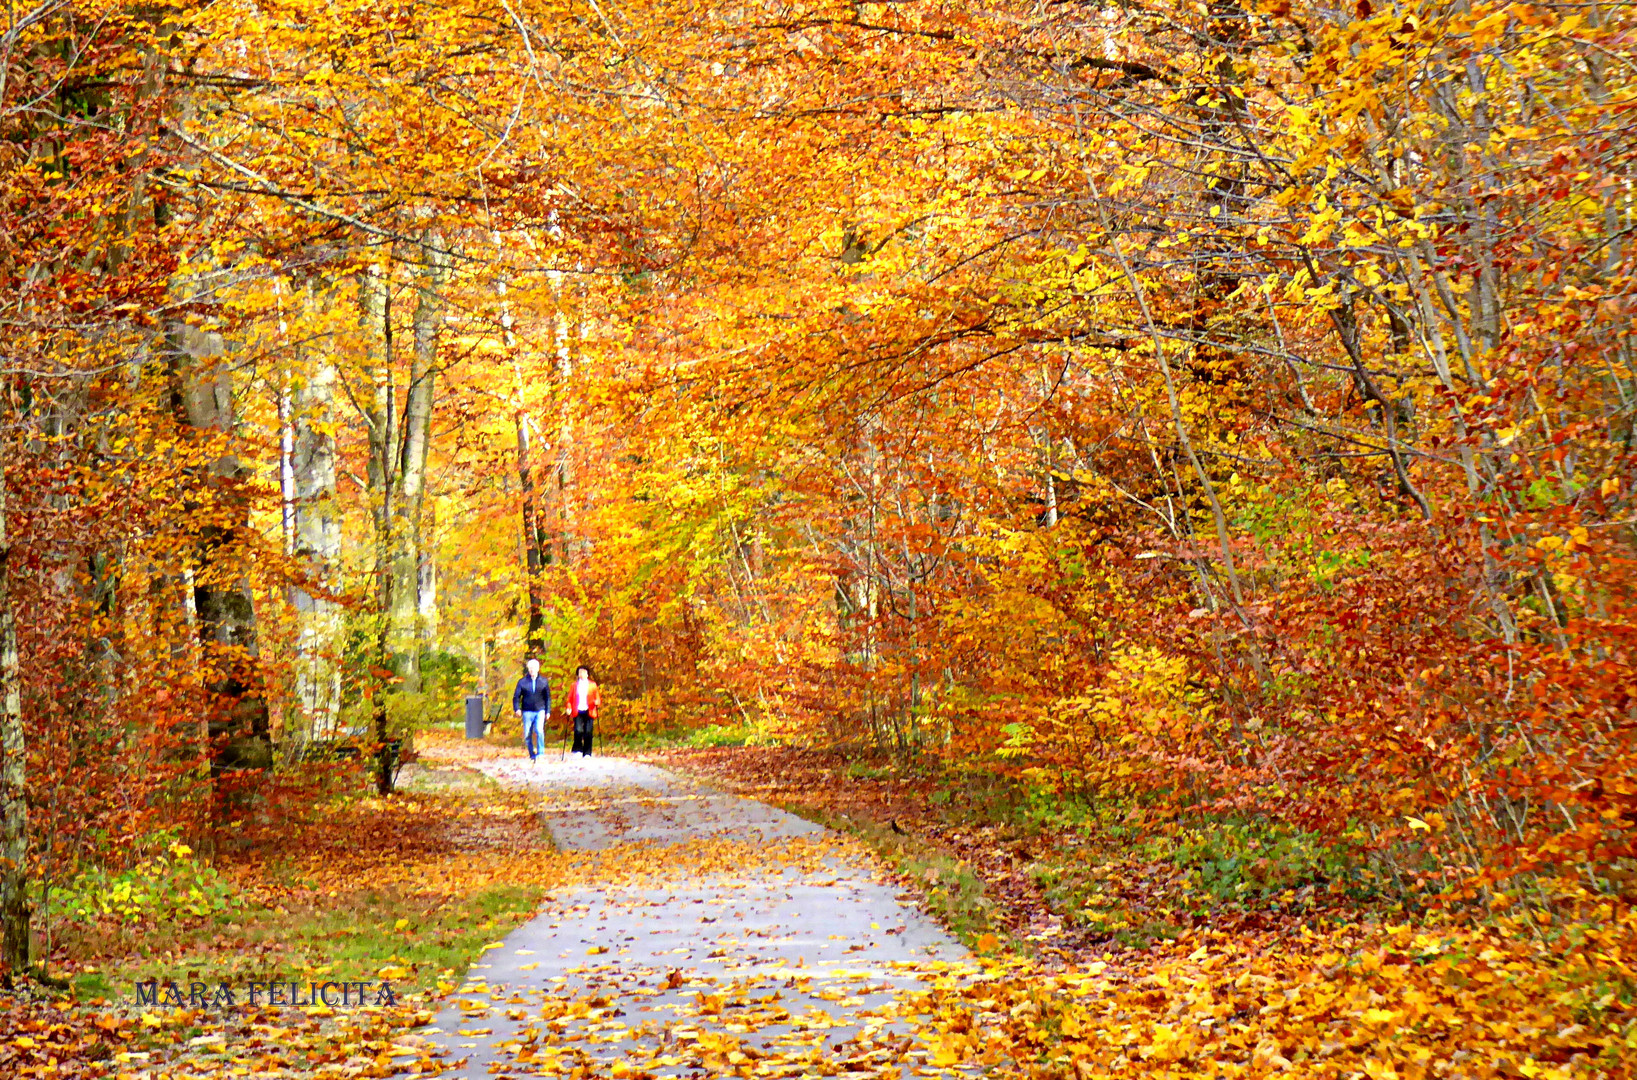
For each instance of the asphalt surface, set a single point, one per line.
(754, 943)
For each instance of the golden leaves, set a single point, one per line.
(1381, 1002)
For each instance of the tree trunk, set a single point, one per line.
(14, 906)
(202, 398)
(408, 630)
(316, 541)
(375, 300)
(563, 496)
(533, 538)
(426, 581)
(534, 533)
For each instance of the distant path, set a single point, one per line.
(751, 942)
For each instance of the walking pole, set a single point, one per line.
(564, 755)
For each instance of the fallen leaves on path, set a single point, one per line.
(899, 807)
(1365, 999)
(690, 934)
(1240, 991)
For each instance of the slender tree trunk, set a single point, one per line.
(533, 538)
(287, 469)
(1180, 427)
(426, 578)
(567, 511)
(408, 532)
(375, 300)
(316, 541)
(534, 533)
(14, 905)
(202, 397)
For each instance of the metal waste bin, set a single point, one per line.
(474, 716)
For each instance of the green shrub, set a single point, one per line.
(169, 885)
(720, 735)
(1230, 860)
(863, 770)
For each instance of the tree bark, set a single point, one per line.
(563, 496)
(408, 628)
(14, 905)
(375, 302)
(202, 398)
(533, 536)
(316, 541)
(534, 533)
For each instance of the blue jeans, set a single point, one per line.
(534, 723)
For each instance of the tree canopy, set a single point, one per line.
(1219, 408)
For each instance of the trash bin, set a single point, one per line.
(474, 716)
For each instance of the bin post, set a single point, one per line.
(474, 716)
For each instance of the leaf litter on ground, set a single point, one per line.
(394, 869)
(1370, 998)
(1314, 986)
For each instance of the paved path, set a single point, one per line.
(753, 943)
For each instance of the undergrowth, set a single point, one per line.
(271, 915)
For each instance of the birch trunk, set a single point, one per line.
(316, 540)
(14, 905)
(426, 592)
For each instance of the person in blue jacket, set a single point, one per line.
(531, 703)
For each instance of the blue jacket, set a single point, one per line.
(532, 694)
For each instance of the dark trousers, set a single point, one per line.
(582, 733)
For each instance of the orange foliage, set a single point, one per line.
(1224, 411)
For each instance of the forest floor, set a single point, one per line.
(626, 923)
(345, 888)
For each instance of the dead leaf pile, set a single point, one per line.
(1360, 1002)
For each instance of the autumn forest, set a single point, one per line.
(1200, 430)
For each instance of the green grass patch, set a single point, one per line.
(354, 931)
(418, 777)
(350, 937)
(1084, 894)
(1232, 860)
(864, 770)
